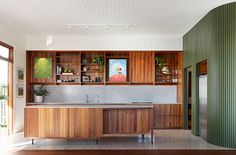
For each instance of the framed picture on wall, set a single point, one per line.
(20, 74)
(20, 90)
(117, 70)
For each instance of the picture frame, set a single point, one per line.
(117, 70)
(85, 78)
(20, 90)
(20, 74)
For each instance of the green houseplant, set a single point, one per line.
(160, 62)
(39, 93)
(98, 59)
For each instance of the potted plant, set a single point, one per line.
(160, 62)
(99, 60)
(39, 94)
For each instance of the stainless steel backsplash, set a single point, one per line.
(111, 94)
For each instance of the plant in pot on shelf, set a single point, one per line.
(160, 63)
(100, 61)
(39, 94)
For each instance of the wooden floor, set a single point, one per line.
(125, 152)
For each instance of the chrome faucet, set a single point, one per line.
(96, 98)
(87, 98)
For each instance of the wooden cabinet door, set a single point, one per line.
(127, 121)
(142, 67)
(85, 122)
(31, 122)
(167, 116)
(52, 122)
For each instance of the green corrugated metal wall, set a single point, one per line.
(214, 39)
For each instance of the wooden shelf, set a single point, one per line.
(42, 83)
(92, 71)
(67, 75)
(142, 83)
(117, 83)
(68, 63)
(167, 65)
(92, 83)
(89, 64)
(166, 83)
(68, 83)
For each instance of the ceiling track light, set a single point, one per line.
(104, 26)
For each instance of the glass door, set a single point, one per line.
(3, 96)
(6, 105)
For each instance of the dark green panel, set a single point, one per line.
(214, 39)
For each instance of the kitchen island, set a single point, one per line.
(87, 121)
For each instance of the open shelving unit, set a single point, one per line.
(68, 67)
(72, 67)
(167, 72)
(78, 68)
(92, 73)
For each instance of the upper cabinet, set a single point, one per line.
(40, 67)
(142, 67)
(168, 68)
(104, 67)
(92, 68)
(68, 67)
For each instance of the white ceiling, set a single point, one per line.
(157, 17)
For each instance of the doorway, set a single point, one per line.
(6, 89)
(189, 98)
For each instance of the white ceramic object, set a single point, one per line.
(38, 99)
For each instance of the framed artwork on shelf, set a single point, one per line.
(117, 70)
(20, 90)
(42, 67)
(20, 74)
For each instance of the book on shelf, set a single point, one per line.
(67, 74)
(58, 70)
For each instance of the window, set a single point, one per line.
(4, 52)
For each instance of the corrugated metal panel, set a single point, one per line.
(214, 39)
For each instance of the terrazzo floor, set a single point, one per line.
(164, 140)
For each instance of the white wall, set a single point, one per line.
(12, 37)
(108, 42)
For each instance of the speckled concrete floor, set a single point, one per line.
(164, 140)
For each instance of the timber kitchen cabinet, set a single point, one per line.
(142, 67)
(71, 67)
(167, 116)
(92, 68)
(87, 121)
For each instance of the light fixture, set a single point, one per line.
(104, 26)
(87, 27)
(49, 40)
